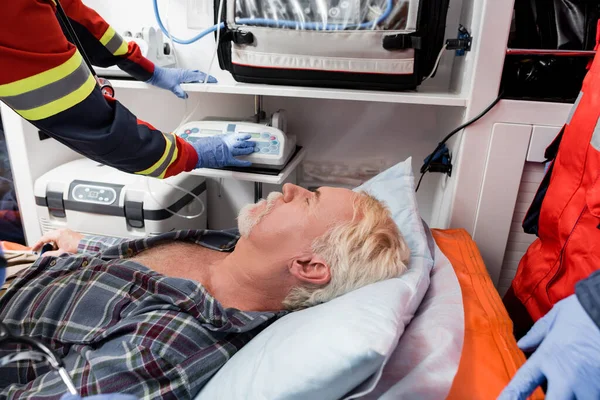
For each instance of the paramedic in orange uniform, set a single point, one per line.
(44, 78)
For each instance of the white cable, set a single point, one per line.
(219, 14)
(437, 62)
(150, 192)
(180, 189)
(187, 117)
(169, 34)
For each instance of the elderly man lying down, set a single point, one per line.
(158, 317)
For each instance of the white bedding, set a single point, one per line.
(425, 362)
(409, 329)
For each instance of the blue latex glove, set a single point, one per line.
(69, 396)
(567, 356)
(171, 78)
(220, 151)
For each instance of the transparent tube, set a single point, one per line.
(184, 120)
(164, 207)
(325, 14)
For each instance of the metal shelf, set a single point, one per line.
(424, 96)
(253, 177)
(556, 53)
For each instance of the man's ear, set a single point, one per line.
(311, 269)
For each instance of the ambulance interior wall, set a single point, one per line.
(336, 131)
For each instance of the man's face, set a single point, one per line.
(287, 223)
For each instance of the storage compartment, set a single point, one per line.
(359, 44)
(92, 198)
(549, 48)
(11, 228)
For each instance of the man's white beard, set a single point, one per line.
(247, 220)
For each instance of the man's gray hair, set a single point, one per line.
(368, 249)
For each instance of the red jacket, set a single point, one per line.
(44, 79)
(568, 222)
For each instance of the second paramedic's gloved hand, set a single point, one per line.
(567, 355)
(171, 78)
(220, 151)
(69, 396)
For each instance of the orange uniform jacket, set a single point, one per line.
(44, 78)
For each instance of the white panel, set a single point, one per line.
(356, 133)
(425, 95)
(30, 158)
(519, 241)
(541, 138)
(508, 147)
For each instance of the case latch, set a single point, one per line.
(56, 205)
(134, 214)
(242, 37)
(401, 42)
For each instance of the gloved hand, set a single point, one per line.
(171, 78)
(115, 396)
(567, 356)
(219, 151)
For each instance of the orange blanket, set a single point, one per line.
(490, 355)
(13, 246)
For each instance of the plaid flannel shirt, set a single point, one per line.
(119, 326)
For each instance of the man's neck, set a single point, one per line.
(232, 283)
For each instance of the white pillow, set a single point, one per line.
(424, 364)
(326, 351)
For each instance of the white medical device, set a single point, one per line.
(92, 198)
(152, 46)
(273, 147)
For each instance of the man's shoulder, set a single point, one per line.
(219, 240)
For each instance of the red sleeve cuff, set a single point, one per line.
(135, 55)
(187, 159)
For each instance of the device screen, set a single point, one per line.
(211, 132)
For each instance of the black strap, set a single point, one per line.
(73, 36)
(402, 42)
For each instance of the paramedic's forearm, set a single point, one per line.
(104, 130)
(46, 81)
(103, 44)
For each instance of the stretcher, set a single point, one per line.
(490, 355)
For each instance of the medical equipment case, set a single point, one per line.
(92, 198)
(361, 44)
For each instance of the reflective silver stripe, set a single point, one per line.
(114, 43)
(574, 108)
(167, 161)
(596, 136)
(51, 92)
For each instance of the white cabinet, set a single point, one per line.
(518, 136)
(503, 170)
(354, 126)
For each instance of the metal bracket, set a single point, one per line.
(462, 43)
(259, 112)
